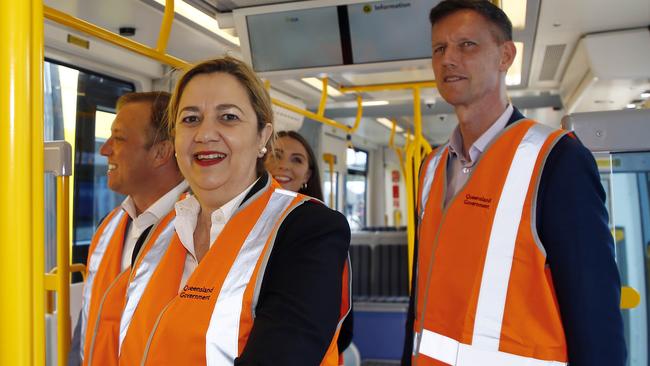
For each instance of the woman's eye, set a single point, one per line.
(190, 119)
(297, 160)
(230, 117)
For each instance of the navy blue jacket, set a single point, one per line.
(572, 224)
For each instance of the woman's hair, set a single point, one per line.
(257, 93)
(313, 183)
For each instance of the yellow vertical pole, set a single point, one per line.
(63, 270)
(20, 41)
(417, 130)
(409, 177)
(38, 203)
(165, 27)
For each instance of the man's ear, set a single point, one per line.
(162, 151)
(508, 54)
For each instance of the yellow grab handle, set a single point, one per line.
(630, 298)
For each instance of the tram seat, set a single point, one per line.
(379, 266)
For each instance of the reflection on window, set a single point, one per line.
(355, 188)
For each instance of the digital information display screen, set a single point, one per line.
(390, 30)
(295, 39)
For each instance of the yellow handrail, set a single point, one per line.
(38, 196)
(308, 114)
(330, 159)
(21, 184)
(165, 27)
(63, 270)
(108, 36)
(323, 98)
(383, 87)
(409, 177)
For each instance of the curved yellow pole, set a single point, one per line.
(20, 184)
(357, 120)
(103, 34)
(165, 27)
(323, 98)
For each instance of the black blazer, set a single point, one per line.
(300, 296)
(572, 224)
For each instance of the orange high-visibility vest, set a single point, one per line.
(103, 268)
(484, 294)
(110, 327)
(209, 321)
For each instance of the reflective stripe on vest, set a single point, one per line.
(452, 352)
(221, 339)
(501, 246)
(428, 178)
(500, 207)
(145, 265)
(99, 246)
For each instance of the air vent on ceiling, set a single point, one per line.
(552, 58)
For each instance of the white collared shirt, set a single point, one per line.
(150, 216)
(187, 213)
(459, 165)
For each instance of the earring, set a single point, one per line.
(304, 185)
(262, 151)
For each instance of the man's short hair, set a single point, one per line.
(489, 11)
(159, 101)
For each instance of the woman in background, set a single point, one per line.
(293, 165)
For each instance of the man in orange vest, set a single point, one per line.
(141, 165)
(514, 259)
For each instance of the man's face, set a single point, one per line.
(130, 159)
(468, 62)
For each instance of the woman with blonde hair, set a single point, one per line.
(251, 276)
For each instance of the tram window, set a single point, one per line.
(327, 189)
(356, 186)
(79, 106)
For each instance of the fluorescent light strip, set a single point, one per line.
(389, 124)
(318, 84)
(645, 95)
(631, 106)
(195, 15)
(371, 103)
